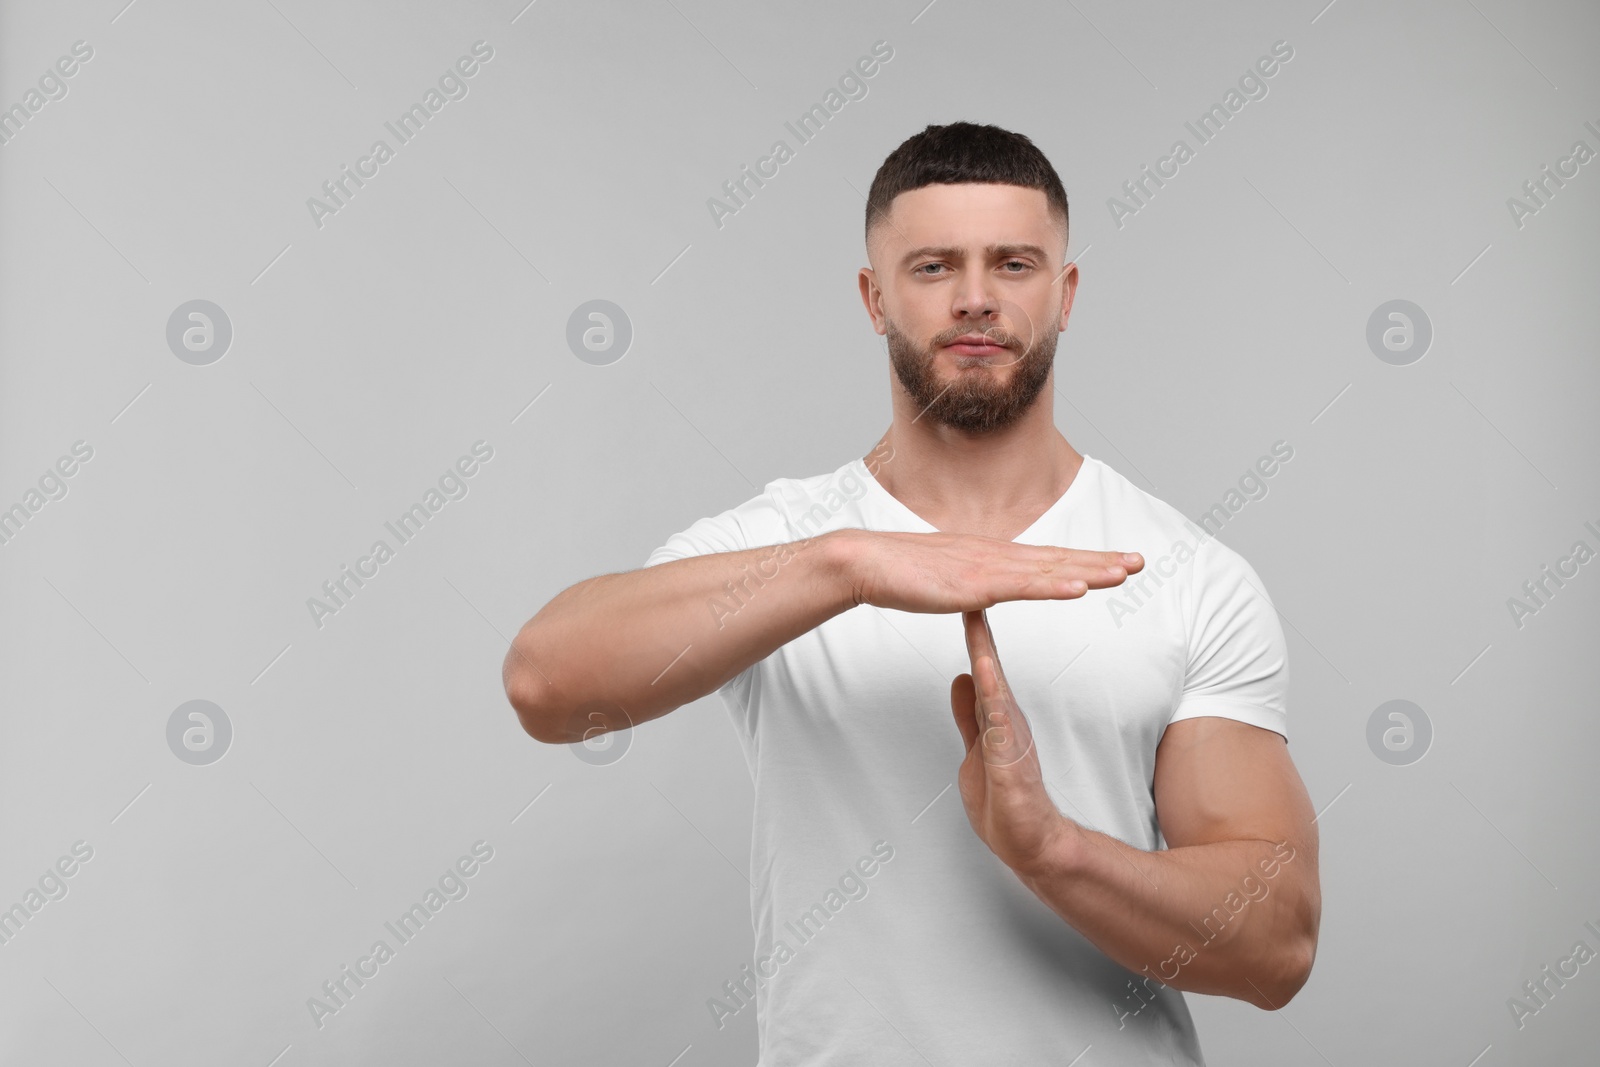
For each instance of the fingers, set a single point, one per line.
(980, 643)
(1051, 573)
(1006, 738)
(1132, 562)
(1005, 735)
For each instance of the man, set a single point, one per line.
(1133, 823)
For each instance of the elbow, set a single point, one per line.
(1293, 973)
(1288, 968)
(529, 693)
(1301, 973)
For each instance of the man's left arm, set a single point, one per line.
(1230, 908)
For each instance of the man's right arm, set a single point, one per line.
(620, 649)
(635, 645)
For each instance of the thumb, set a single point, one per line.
(964, 705)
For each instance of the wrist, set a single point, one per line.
(838, 555)
(1061, 858)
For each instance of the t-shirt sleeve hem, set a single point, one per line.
(1253, 714)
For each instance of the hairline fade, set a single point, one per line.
(963, 153)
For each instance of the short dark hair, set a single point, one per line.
(959, 153)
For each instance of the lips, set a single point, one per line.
(975, 345)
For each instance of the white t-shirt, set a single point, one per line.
(886, 931)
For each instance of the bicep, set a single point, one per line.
(1219, 779)
(1222, 769)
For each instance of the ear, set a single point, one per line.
(872, 299)
(1069, 289)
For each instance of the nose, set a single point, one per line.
(974, 300)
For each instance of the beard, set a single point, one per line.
(976, 401)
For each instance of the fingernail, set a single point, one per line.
(1130, 557)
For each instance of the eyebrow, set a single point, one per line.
(999, 251)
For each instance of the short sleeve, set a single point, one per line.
(1238, 661)
(753, 524)
(714, 533)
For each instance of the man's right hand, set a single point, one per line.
(939, 573)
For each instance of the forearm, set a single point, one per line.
(1232, 918)
(651, 640)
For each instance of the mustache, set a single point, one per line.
(994, 335)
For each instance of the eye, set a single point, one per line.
(924, 267)
(1016, 263)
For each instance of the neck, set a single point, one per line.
(976, 483)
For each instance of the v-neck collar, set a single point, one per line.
(921, 525)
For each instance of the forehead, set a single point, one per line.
(967, 215)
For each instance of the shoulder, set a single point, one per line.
(1133, 512)
(772, 516)
(1178, 545)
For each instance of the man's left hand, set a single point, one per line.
(1001, 783)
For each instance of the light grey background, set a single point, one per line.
(368, 354)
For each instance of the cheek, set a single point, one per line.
(912, 325)
(1037, 312)
(922, 314)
